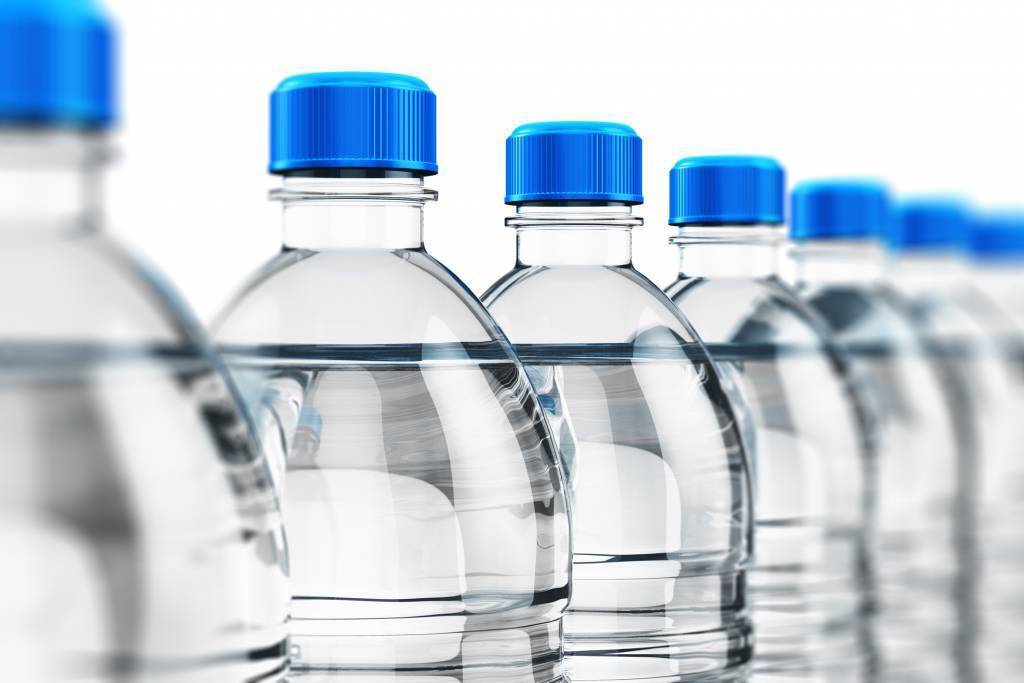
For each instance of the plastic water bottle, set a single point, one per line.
(840, 265)
(650, 446)
(428, 528)
(141, 532)
(807, 435)
(927, 240)
(996, 248)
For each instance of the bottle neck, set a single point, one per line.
(818, 262)
(574, 235)
(736, 251)
(927, 272)
(353, 212)
(50, 181)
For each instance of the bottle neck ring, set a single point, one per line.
(736, 251)
(832, 261)
(574, 234)
(51, 180)
(927, 272)
(369, 210)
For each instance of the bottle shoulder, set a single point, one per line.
(864, 315)
(748, 311)
(584, 305)
(943, 313)
(89, 289)
(354, 297)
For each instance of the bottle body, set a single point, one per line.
(979, 376)
(430, 527)
(651, 453)
(920, 443)
(808, 441)
(997, 292)
(139, 501)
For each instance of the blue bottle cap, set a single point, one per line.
(726, 189)
(573, 160)
(929, 225)
(998, 237)
(353, 119)
(839, 209)
(57, 62)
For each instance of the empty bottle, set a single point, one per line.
(141, 530)
(428, 528)
(926, 242)
(840, 264)
(650, 447)
(806, 430)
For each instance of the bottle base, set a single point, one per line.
(689, 628)
(410, 676)
(717, 655)
(528, 654)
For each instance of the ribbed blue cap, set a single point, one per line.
(573, 160)
(998, 238)
(353, 119)
(839, 209)
(929, 225)
(57, 63)
(726, 189)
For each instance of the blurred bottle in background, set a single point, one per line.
(992, 293)
(996, 248)
(839, 267)
(926, 240)
(806, 430)
(996, 251)
(650, 447)
(429, 530)
(141, 530)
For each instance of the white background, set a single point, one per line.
(926, 93)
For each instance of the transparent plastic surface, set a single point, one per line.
(651, 453)
(997, 298)
(808, 442)
(918, 453)
(980, 379)
(142, 531)
(429, 535)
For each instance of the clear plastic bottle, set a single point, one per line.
(926, 241)
(428, 527)
(650, 447)
(807, 432)
(840, 266)
(996, 250)
(142, 534)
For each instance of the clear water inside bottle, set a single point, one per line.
(143, 530)
(805, 583)
(809, 447)
(921, 441)
(659, 495)
(423, 502)
(980, 380)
